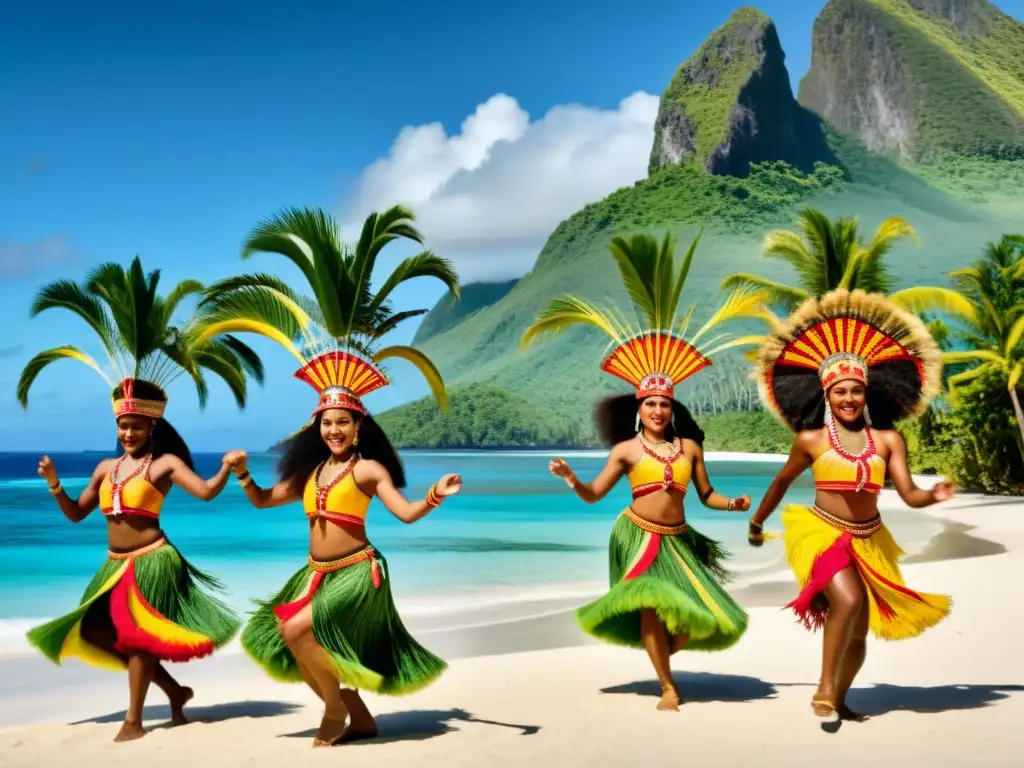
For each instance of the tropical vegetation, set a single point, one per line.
(976, 434)
(827, 255)
(344, 308)
(136, 328)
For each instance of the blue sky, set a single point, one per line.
(168, 130)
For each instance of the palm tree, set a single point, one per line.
(828, 255)
(994, 285)
(344, 306)
(655, 286)
(134, 325)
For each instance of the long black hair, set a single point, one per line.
(892, 389)
(304, 451)
(616, 420)
(164, 439)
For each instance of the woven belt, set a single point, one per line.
(647, 525)
(137, 552)
(857, 530)
(331, 566)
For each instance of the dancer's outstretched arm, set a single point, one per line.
(405, 510)
(614, 468)
(277, 495)
(186, 479)
(798, 461)
(903, 481)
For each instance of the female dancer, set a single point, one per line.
(664, 596)
(335, 620)
(814, 374)
(145, 604)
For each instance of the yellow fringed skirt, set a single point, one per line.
(818, 546)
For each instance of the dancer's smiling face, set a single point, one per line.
(847, 400)
(133, 432)
(339, 428)
(656, 414)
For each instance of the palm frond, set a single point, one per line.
(388, 324)
(563, 312)
(425, 366)
(974, 355)
(785, 297)
(1014, 335)
(636, 259)
(179, 293)
(308, 238)
(926, 299)
(741, 303)
(64, 294)
(35, 366)
(224, 363)
(424, 264)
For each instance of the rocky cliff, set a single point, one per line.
(914, 79)
(730, 105)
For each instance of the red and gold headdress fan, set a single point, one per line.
(342, 379)
(655, 363)
(848, 336)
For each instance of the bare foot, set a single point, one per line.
(361, 723)
(130, 732)
(845, 713)
(183, 697)
(670, 699)
(331, 731)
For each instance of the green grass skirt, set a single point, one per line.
(677, 577)
(155, 603)
(356, 623)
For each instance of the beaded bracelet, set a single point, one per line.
(245, 479)
(55, 489)
(433, 500)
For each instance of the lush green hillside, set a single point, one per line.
(480, 416)
(486, 416)
(449, 310)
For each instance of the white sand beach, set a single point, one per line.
(536, 691)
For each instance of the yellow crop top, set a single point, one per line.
(655, 473)
(835, 469)
(132, 495)
(340, 501)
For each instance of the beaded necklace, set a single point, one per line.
(117, 485)
(859, 459)
(323, 493)
(667, 476)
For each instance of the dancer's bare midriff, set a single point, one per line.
(852, 506)
(330, 541)
(126, 533)
(663, 507)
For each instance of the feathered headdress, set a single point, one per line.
(657, 358)
(848, 336)
(122, 306)
(342, 379)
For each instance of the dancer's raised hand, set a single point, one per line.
(448, 485)
(47, 471)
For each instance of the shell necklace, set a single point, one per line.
(116, 486)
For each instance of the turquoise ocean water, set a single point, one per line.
(512, 530)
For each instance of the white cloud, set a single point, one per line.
(488, 197)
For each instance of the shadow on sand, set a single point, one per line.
(882, 699)
(212, 714)
(419, 725)
(703, 686)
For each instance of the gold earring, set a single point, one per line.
(355, 440)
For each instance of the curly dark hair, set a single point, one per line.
(304, 451)
(615, 417)
(893, 388)
(165, 439)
